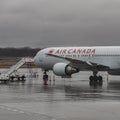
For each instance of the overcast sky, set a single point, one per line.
(43, 23)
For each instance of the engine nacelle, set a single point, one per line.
(63, 69)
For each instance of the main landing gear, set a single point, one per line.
(45, 78)
(95, 80)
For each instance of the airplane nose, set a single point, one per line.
(36, 60)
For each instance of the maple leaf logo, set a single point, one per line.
(51, 51)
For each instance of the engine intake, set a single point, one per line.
(63, 69)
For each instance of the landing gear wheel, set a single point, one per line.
(45, 78)
(91, 82)
(95, 80)
(100, 80)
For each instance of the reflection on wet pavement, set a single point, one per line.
(61, 91)
(62, 100)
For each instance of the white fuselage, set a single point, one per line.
(103, 55)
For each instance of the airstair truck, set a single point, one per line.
(5, 76)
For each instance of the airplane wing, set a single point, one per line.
(81, 63)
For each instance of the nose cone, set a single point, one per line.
(36, 60)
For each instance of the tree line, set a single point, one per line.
(18, 52)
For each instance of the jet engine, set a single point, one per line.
(64, 70)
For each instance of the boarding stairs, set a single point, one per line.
(5, 75)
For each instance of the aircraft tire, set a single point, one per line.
(95, 80)
(91, 80)
(100, 80)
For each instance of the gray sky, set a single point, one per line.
(43, 23)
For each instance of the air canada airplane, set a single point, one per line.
(65, 61)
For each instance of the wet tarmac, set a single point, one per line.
(64, 99)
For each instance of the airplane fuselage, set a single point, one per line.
(108, 56)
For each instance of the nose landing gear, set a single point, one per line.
(45, 78)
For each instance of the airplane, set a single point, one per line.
(65, 61)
